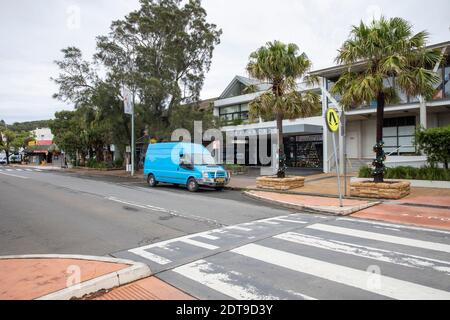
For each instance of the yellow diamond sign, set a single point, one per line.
(332, 118)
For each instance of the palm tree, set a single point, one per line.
(281, 65)
(379, 55)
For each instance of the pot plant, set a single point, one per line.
(377, 55)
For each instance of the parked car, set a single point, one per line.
(185, 164)
(2, 159)
(15, 158)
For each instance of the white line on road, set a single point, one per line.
(376, 223)
(9, 170)
(239, 228)
(209, 237)
(13, 175)
(291, 221)
(393, 257)
(19, 170)
(387, 286)
(382, 237)
(269, 222)
(206, 273)
(199, 244)
(150, 256)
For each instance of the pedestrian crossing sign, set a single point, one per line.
(332, 118)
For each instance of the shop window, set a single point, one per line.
(398, 135)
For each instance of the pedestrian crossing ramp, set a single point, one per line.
(306, 257)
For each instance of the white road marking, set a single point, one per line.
(13, 175)
(168, 211)
(19, 170)
(9, 170)
(205, 273)
(150, 256)
(291, 221)
(239, 228)
(382, 237)
(209, 237)
(393, 257)
(389, 287)
(269, 222)
(29, 170)
(38, 170)
(199, 244)
(376, 223)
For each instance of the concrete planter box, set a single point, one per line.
(387, 190)
(283, 184)
(416, 183)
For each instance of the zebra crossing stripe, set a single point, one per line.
(269, 222)
(19, 170)
(390, 225)
(209, 237)
(150, 256)
(9, 170)
(199, 244)
(382, 237)
(385, 286)
(210, 275)
(29, 170)
(393, 257)
(291, 221)
(239, 228)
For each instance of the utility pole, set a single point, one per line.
(132, 138)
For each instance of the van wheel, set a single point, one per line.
(152, 181)
(192, 185)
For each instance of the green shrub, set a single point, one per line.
(365, 172)
(236, 168)
(435, 143)
(94, 164)
(118, 163)
(410, 173)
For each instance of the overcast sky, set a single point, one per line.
(33, 32)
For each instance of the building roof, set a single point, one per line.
(337, 70)
(260, 86)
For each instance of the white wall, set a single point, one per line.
(43, 134)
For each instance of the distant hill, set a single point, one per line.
(29, 125)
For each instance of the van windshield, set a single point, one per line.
(199, 159)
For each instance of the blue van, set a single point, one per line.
(185, 164)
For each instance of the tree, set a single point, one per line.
(378, 55)
(21, 140)
(281, 65)
(68, 134)
(435, 143)
(161, 52)
(6, 139)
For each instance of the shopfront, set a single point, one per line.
(305, 151)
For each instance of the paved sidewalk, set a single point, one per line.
(63, 277)
(318, 204)
(146, 289)
(423, 207)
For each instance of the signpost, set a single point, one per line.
(128, 104)
(333, 120)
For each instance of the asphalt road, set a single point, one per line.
(52, 212)
(221, 245)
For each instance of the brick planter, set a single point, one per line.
(386, 190)
(283, 184)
